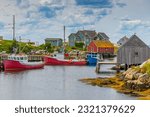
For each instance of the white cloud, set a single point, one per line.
(130, 19)
(30, 23)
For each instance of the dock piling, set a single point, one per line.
(1, 66)
(97, 68)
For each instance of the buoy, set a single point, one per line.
(70, 60)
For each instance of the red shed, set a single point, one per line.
(101, 46)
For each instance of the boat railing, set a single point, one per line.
(18, 58)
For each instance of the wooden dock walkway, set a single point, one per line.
(98, 65)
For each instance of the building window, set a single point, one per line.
(136, 54)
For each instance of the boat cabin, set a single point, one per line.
(18, 58)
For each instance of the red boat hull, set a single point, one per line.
(11, 65)
(54, 61)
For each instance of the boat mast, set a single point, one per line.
(14, 27)
(64, 33)
(64, 39)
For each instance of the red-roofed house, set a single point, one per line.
(101, 46)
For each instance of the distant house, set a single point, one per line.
(73, 38)
(101, 46)
(32, 43)
(133, 52)
(123, 40)
(102, 36)
(1, 37)
(85, 36)
(54, 41)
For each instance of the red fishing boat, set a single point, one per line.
(20, 62)
(56, 61)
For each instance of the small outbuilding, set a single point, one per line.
(54, 41)
(122, 41)
(1, 37)
(101, 47)
(133, 52)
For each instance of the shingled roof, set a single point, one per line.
(88, 33)
(52, 39)
(103, 35)
(135, 41)
(103, 43)
(123, 40)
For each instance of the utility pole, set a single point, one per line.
(64, 34)
(13, 27)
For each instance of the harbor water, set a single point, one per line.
(55, 83)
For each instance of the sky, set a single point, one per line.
(40, 19)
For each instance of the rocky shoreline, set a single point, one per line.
(135, 81)
(119, 85)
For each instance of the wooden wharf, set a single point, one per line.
(98, 66)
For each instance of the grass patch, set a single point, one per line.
(146, 68)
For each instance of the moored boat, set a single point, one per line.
(93, 58)
(55, 61)
(20, 62)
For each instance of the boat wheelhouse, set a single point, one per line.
(18, 58)
(20, 62)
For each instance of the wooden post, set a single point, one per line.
(118, 68)
(1, 66)
(126, 67)
(97, 67)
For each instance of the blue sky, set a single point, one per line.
(39, 19)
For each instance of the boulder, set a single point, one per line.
(136, 85)
(130, 84)
(126, 72)
(144, 78)
(137, 75)
(130, 75)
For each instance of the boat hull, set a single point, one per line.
(11, 65)
(54, 61)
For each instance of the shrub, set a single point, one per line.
(79, 45)
(146, 68)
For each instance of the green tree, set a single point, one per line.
(41, 47)
(14, 47)
(79, 44)
(48, 47)
(27, 49)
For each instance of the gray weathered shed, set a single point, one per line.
(133, 52)
(122, 41)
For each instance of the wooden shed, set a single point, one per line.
(133, 52)
(101, 46)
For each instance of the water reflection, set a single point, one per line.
(54, 82)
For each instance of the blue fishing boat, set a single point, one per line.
(93, 58)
